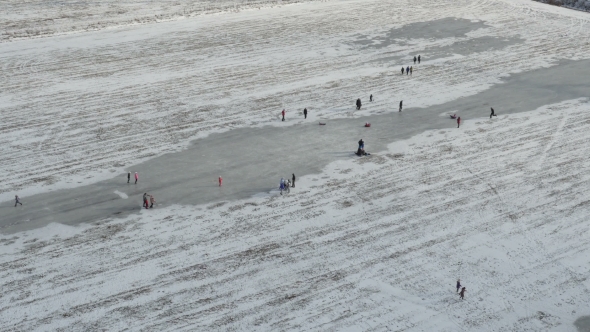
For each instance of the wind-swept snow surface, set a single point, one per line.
(373, 244)
(82, 107)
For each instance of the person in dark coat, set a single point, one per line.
(414, 59)
(458, 122)
(492, 114)
(128, 176)
(408, 70)
(293, 184)
(462, 293)
(458, 285)
(371, 98)
(283, 113)
(305, 112)
(418, 58)
(400, 105)
(402, 70)
(358, 104)
(17, 200)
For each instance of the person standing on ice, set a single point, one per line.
(418, 58)
(282, 185)
(462, 293)
(145, 200)
(283, 113)
(293, 184)
(458, 285)
(220, 180)
(492, 114)
(128, 177)
(136, 177)
(458, 122)
(305, 112)
(358, 104)
(402, 70)
(401, 102)
(371, 98)
(411, 70)
(408, 70)
(152, 201)
(17, 200)
(414, 59)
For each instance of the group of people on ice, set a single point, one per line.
(148, 201)
(286, 185)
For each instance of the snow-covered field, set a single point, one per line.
(374, 243)
(370, 244)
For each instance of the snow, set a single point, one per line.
(372, 243)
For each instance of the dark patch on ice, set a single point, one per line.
(437, 29)
(583, 324)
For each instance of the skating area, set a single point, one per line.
(187, 92)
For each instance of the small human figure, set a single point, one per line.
(408, 70)
(411, 70)
(418, 58)
(367, 124)
(17, 200)
(293, 183)
(402, 70)
(361, 144)
(152, 201)
(145, 200)
(458, 122)
(283, 113)
(458, 285)
(136, 177)
(414, 59)
(128, 176)
(282, 185)
(371, 98)
(462, 293)
(492, 114)
(305, 112)
(401, 102)
(220, 180)
(358, 104)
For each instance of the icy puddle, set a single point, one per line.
(251, 161)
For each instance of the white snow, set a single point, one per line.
(374, 243)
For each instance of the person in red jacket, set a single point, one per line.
(283, 112)
(458, 122)
(220, 181)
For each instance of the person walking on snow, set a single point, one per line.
(136, 177)
(458, 285)
(408, 70)
(414, 59)
(128, 177)
(371, 98)
(458, 122)
(152, 201)
(492, 114)
(400, 105)
(283, 113)
(220, 181)
(402, 70)
(305, 112)
(462, 293)
(17, 200)
(418, 58)
(282, 185)
(411, 70)
(293, 184)
(358, 104)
